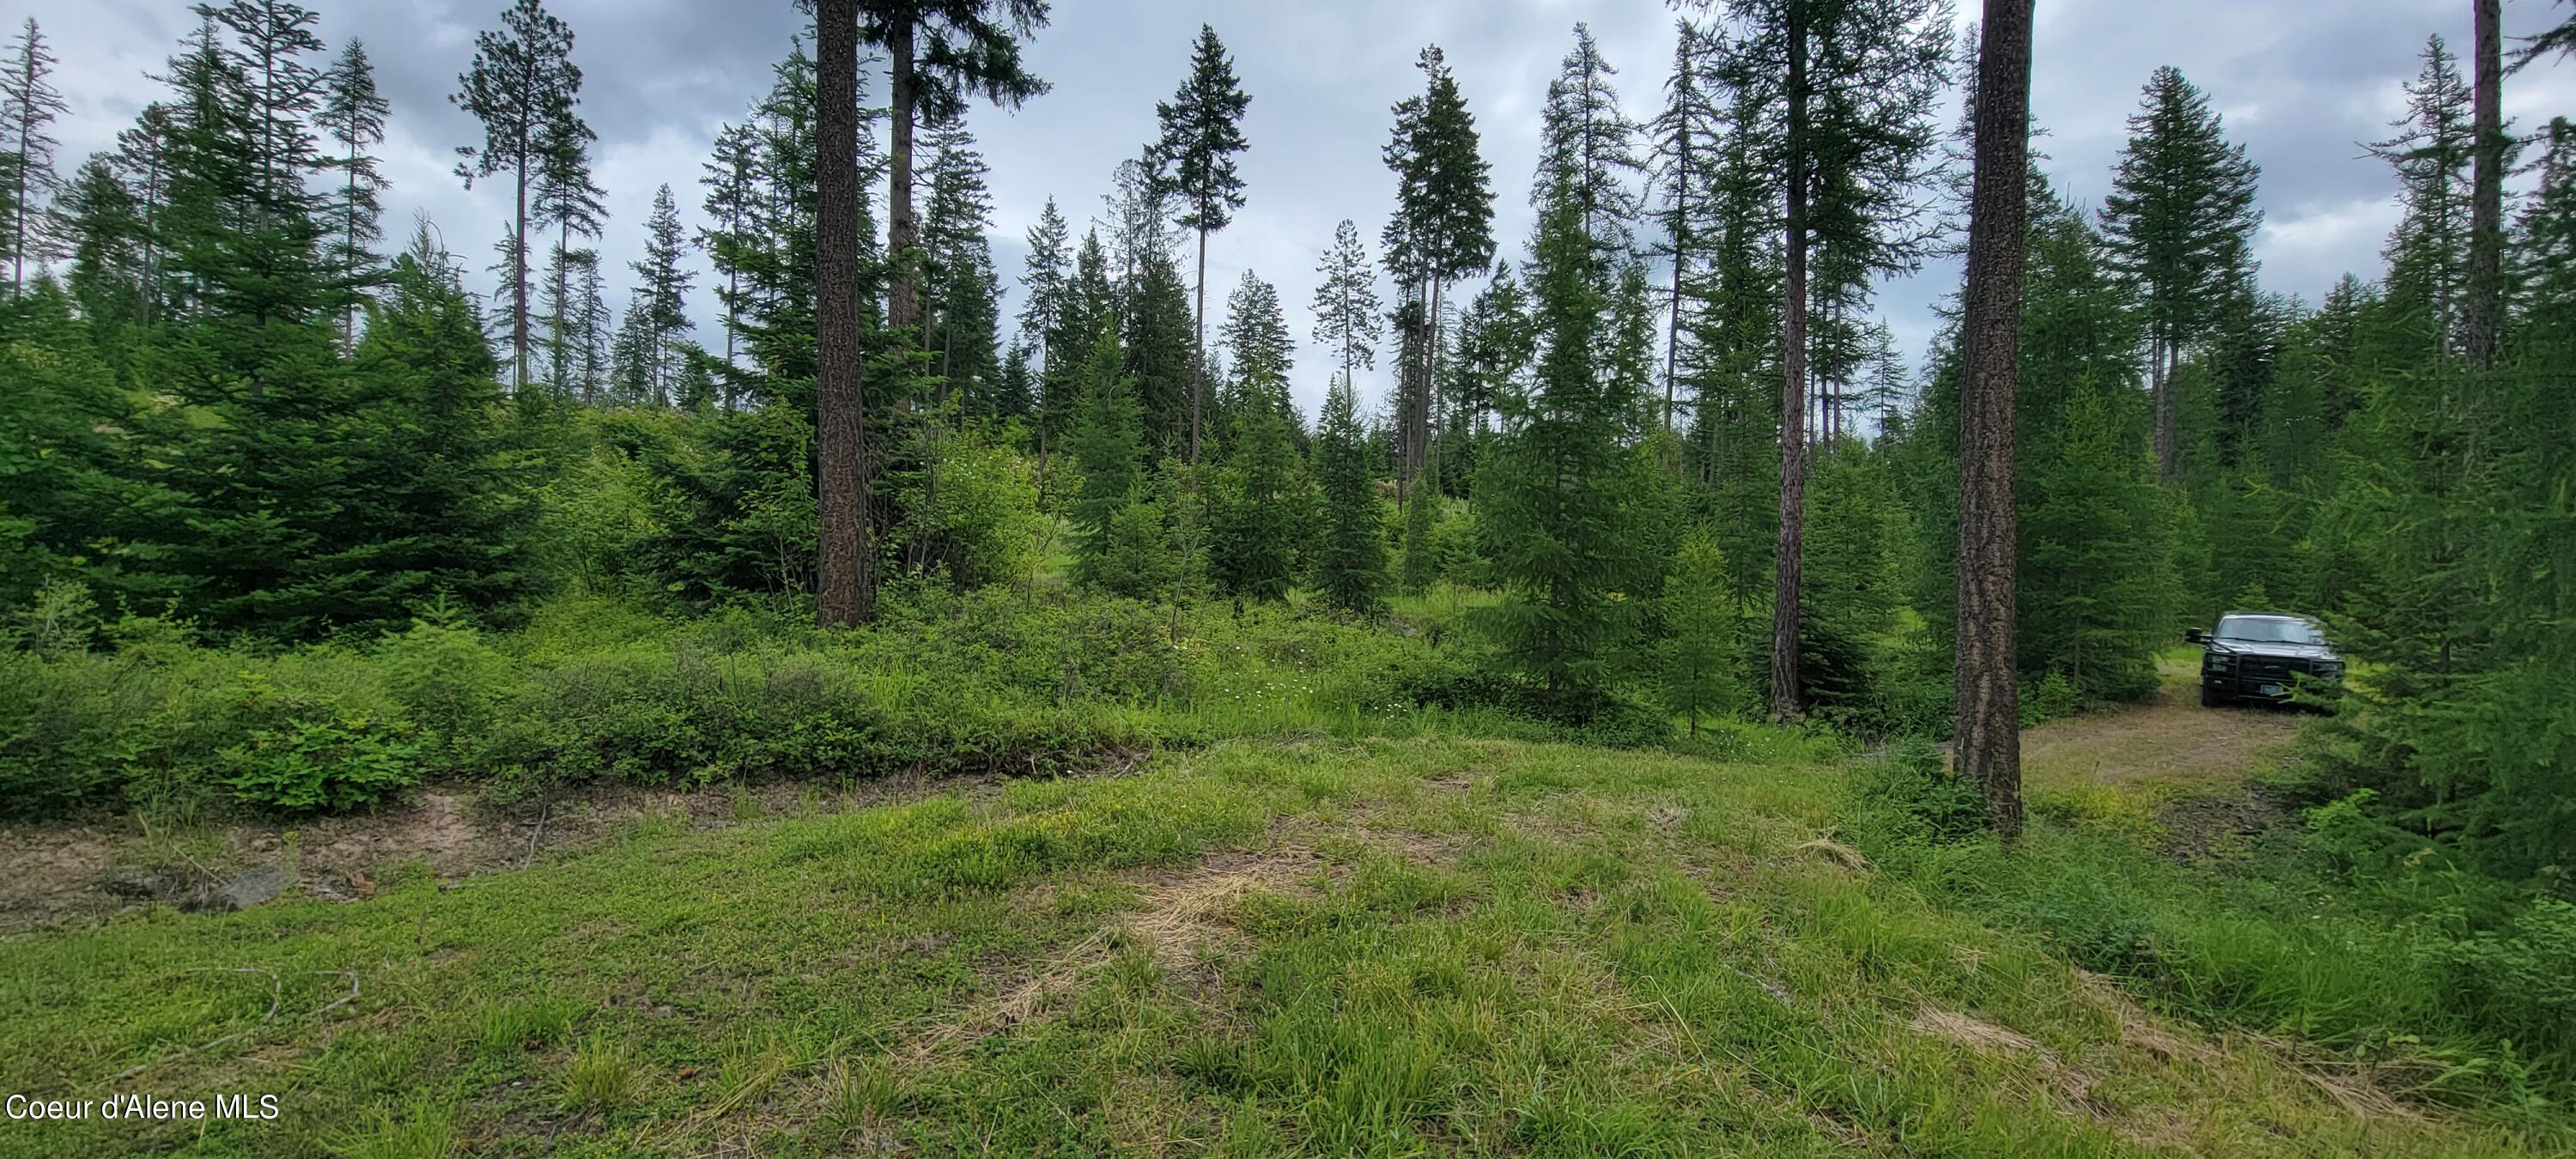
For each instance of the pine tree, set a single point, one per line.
(353, 115)
(1350, 545)
(1259, 511)
(573, 310)
(2428, 255)
(1044, 273)
(1442, 230)
(565, 198)
(28, 105)
(1855, 84)
(1256, 331)
(1587, 140)
(1160, 354)
(1107, 446)
(733, 185)
(1345, 305)
(521, 82)
(1687, 137)
(109, 252)
(2483, 320)
(939, 53)
(1986, 672)
(2180, 215)
(1698, 661)
(845, 593)
(662, 289)
(1194, 159)
(1552, 496)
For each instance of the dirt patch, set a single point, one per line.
(2173, 740)
(2218, 829)
(54, 874)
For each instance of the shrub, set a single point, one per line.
(333, 764)
(1913, 797)
(446, 678)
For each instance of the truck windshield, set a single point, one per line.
(2266, 630)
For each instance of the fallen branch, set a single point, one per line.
(537, 834)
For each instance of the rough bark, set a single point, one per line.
(1987, 686)
(844, 597)
(2478, 331)
(1789, 559)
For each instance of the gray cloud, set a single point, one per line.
(2301, 82)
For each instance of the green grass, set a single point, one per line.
(1318, 946)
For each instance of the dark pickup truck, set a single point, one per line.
(2262, 656)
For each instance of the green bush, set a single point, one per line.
(1912, 797)
(333, 764)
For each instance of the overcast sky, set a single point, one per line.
(2301, 82)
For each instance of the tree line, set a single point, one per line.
(1663, 439)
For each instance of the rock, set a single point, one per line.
(131, 883)
(261, 884)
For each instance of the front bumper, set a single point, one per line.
(2266, 685)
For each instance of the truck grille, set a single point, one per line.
(2269, 668)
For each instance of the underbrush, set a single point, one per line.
(2447, 986)
(595, 690)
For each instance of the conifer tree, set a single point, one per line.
(1160, 354)
(2180, 215)
(110, 246)
(1986, 671)
(1259, 512)
(939, 53)
(662, 289)
(353, 114)
(1194, 160)
(1442, 230)
(1687, 136)
(575, 312)
(1551, 498)
(1350, 545)
(2484, 317)
(521, 84)
(2428, 255)
(845, 595)
(1256, 332)
(1584, 133)
(732, 181)
(29, 104)
(1107, 446)
(1345, 305)
(1043, 275)
(1698, 660)
(1854, 83)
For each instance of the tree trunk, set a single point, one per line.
(840, 402)
(1787, 560)
(1987, 691)
(519, 287)
(1431, 393)
(2160, 389)
(1198, 351)
(1673, 322)
(2486, 192)
(903, 231)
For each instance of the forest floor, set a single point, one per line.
(1316, 946)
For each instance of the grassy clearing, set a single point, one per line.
(1326, 947)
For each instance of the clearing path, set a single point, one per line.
(2174, 742)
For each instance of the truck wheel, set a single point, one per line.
(2211, 698)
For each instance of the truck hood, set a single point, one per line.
(2276, 651)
